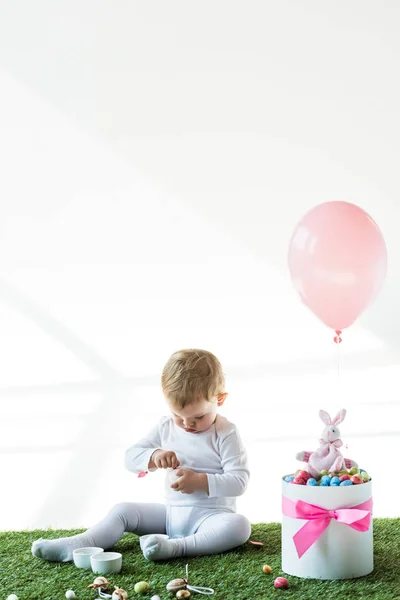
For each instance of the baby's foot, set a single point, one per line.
(59, 550)
(160, 547)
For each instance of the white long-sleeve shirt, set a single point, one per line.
(218, 452)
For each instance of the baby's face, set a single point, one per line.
(195, 417)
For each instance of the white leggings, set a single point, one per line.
(214, 531)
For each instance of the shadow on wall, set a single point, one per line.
(384, 319)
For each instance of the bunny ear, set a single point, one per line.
(324, 416)
(339, 417)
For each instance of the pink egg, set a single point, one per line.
(305, 475)
(344, 477)
(356, 479)
(299, 480)
(281, 583)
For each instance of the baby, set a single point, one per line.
(206, 467)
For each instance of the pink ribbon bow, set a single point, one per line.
(326, 444)
(318, 519)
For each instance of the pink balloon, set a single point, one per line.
(337, 261)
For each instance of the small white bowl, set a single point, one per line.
(106, 562)
(82, 556)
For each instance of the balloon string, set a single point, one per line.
(200, 590)
(338, 340)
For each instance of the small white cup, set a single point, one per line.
(172, 476)
(106, 562)
(82, 556)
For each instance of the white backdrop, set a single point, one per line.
(155, 158)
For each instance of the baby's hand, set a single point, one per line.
(189, 481)
(164, 459)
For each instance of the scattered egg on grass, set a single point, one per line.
(142, 587)
(281, 583)
(176, 584)
(182, 594)
(267, 569)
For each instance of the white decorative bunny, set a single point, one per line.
(327, 456)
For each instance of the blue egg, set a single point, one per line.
(346, 482)
(335, 480)
(362, 471)
(289, 478)
(312, 481)
(325, 480)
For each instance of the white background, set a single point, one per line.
(155, 158)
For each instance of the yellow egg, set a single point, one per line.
(267, 569)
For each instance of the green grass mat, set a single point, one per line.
(234, 575)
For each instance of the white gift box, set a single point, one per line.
(344, 549)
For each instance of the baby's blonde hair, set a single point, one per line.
(190, 375)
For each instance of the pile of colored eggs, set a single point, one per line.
(353, 476)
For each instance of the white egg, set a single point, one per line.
(175, 585)
(119, 593)
(12, 597)
(155, 598)
(102, 581)
(70, 594)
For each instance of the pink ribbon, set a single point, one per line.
(318, 519)
(335, 444)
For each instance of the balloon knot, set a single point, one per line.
(337, 339)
